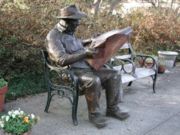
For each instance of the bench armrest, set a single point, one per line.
(127, 65)
(143, 58)
(65, 76)
(131, 63)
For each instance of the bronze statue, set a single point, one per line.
(65, 49)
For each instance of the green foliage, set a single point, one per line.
(2, 82)
(25, 84)
(17, 122)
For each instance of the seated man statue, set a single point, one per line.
(65, 49)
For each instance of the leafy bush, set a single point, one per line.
(2, 82)
(155, 29)
(25, 84)
(17, 122)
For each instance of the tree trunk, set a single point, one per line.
(113, 4)
(172, 2)
(95, 6)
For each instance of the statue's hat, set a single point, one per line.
(71, 12)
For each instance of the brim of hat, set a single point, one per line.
(76, 16)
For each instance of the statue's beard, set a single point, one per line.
(67, 27)
(70, 29)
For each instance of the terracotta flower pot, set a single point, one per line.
(141, 62)
(161, 69)
(3, 91)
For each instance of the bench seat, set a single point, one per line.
(139, 73)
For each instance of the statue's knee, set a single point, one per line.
(93, 82)
(96, 81)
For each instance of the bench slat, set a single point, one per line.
(139, 73)
(127, 56)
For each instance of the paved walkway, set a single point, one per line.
(151, 114)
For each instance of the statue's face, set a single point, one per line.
(72, 25)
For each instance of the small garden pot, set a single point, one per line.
(141, 62)
(161, 69)
(169, 58)
(3, 91)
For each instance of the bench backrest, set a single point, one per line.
(126, 52)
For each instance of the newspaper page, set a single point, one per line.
(107, 45)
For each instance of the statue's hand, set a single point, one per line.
(87, 42)
(90, 52)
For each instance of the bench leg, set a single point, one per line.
(49, 97)
(74, 108)
(130, 83)
(154, 78)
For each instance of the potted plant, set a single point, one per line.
(3, 90)
(169, 58)
(17, 122)
(140, 61)
(148, 62)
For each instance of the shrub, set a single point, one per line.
(17, 122)
(155, 29)
(2, 82)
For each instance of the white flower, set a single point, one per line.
(1, 124)
(21, 112)
(32, 116)
(3, 117)
(16, 112)
(13, 115)
(10, 113)
(7, 118)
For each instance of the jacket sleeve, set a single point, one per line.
(57, 51)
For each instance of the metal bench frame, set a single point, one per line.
(67, 85)
(119, 62)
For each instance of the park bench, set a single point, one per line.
(134, 66)
(60, 81)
